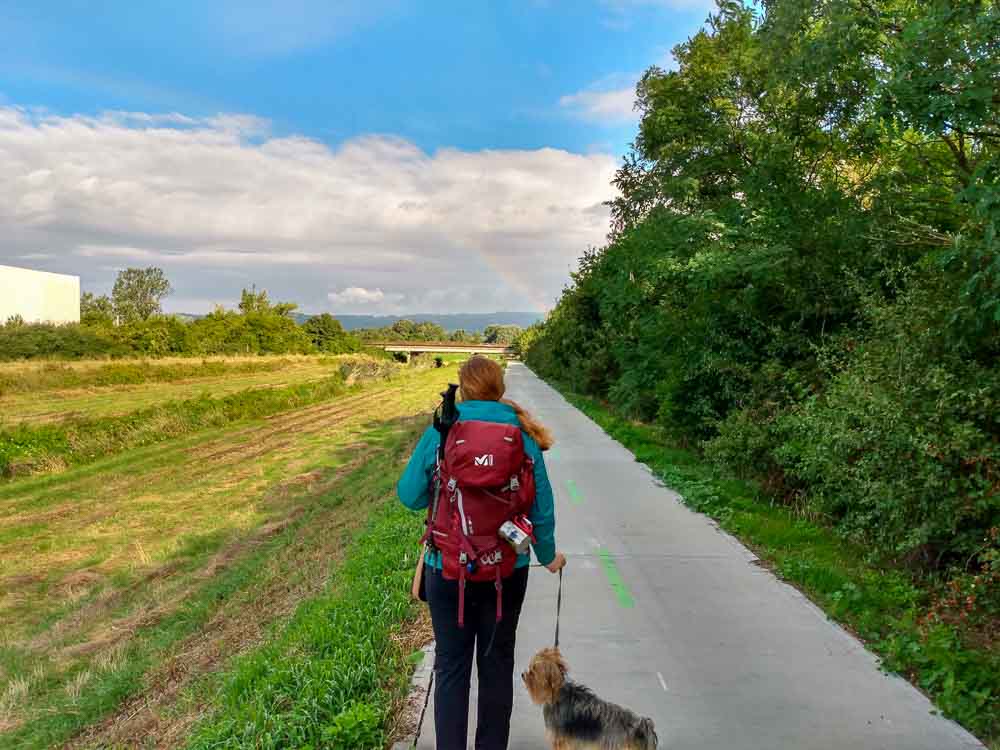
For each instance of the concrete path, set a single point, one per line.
(666, 614)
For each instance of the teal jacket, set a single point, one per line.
(414, 486)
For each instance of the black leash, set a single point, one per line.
(558, 606)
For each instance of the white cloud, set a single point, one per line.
(220, 203)
(355, 296)
(611, 99)
(610, 107)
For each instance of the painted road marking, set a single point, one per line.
(574, 492)
(615, 579)
(663, 683)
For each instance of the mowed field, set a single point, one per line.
(91, 396)
(129, 583)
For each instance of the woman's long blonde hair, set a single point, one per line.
(481, 379)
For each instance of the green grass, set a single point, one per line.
(24, 378)
(184, 511)
(28, 449)
(880, 604)
(332, 677)
(105, 396)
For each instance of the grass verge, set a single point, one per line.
(334, 676)
(27, 449)
(882, 605)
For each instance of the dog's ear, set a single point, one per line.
(549, 672)
(555, 656)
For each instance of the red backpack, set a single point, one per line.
(484, 480)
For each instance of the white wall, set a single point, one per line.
(38, 296)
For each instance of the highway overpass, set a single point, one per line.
(430, 347)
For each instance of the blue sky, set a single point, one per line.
(520, 99)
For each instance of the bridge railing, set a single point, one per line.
(442, 346)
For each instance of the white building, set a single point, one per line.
(39, 296)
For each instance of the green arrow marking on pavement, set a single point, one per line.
(574, 492)
(615, 579)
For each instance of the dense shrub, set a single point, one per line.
(328, 335)
(404, 330)
(901, 446)
(65, 342)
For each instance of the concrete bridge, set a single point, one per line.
(431, 347)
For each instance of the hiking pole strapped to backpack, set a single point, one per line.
(444, 417)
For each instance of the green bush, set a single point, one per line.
(58, 342)
(224, 332)
(900, 449)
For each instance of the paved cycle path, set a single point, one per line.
(668, 615)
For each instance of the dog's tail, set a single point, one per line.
(645, 735)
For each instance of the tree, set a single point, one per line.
(96, 311)
(501, 334)
(137, 294)
(253, 301)
(328, 335)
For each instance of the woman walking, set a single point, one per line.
(482, 630)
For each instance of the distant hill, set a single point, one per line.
(450, 322)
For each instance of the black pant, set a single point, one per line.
(453, 658)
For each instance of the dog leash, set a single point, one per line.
(558, 606)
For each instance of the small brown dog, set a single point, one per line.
(575, 718)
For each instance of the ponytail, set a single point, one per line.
(539, 432)
(481, 379)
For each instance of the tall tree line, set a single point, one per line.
(802, 276)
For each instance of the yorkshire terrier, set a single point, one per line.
(575, 718)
